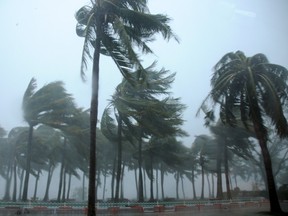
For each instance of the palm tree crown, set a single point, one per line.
(120, 25)
(251, 90)
(247, 88)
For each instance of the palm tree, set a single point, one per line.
(163, 149)
(141, 104)
(12, 152)
(113, 28)
(254, 90)
(53, 139)
(231, 140)
(204, 150)
(50, 105)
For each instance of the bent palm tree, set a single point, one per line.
(113, 28)
(50, 105)
(253, 90)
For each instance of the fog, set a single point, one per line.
(38, 40)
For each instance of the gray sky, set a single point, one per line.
(38, 40)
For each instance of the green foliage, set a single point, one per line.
(49, 105)
(120, 26)
(242, 86)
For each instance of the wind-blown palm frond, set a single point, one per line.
(108, 127)
(29, 93)
(251, 90)
(84, 28)
(108, 28)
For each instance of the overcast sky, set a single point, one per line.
(38, 40)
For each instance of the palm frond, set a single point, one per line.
(108, 126)
(29, 93)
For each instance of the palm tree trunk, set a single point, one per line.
(21, 184)
(93, 123)
(119, 158)
(274, 201)
(193, 183)
(60, 182)
(83, 186)
(14, 198)
(105, 179)
(151, 179)
(49, 177)
(98, 182)
(227, 173)
(36, 186)
(113, 177)
(212, 180)
(162, 181)
(122, 182)
(144, 183)
(219, 174)
(177, 185)
(64, 186)
(202, 181)
(69, 187)
(209, 185)
(8, 182)
(136, 182)
(28, 164)
(141, 195)
(182, 185)
(157, 185)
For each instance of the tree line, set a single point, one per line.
(143, 116)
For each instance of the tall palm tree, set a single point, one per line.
(141, 104)
(231, 140)
(50, 105)
(204, 148)
(114, 28)
(254, 90)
